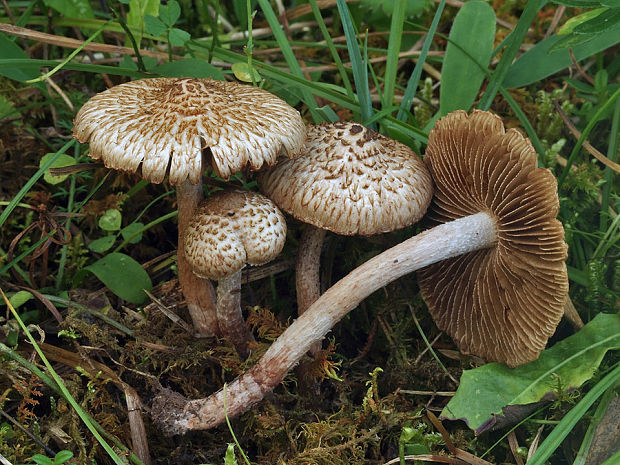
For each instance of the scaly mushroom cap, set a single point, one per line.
(230, 229)
(351, 180)
(168, 122)
(501, 303)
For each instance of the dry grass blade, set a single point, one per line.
(428, 458)
(589, 147)
(171, 315)
(535, 442)
(74, 43)
(514, 446)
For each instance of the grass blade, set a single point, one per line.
(394, 42)
(360, 70)
(512, 48)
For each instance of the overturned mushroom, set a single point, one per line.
(510, 205)
(229, 230)
(166, 126)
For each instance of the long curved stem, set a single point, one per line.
(229, 316)
(442, 242)
(199, 293)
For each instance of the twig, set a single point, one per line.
(580, 70)
(514, 446)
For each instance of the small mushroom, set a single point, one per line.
(349, 180)
(229, 230)
(497, 198)
(168, 125)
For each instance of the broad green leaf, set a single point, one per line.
(188, 67)
(570, 25)
(8, 49)
(62, 457)
(42, 459)
(154, 26)
(242, 72)
(488, 394)
(123, 276)
(579, 3)
(111, 220)
(471, 36)
(601, 23)
(178, 37)
(62, 160)
(20, 298)
(132, 233)
(170, 13)
(71, 8)
(102, 244)
(538, 63)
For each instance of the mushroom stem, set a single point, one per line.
(307, 271)
(445, 241)
(229, 314)
(199, 293)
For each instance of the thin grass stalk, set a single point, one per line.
(49, 382)
(414, 79)
(584, 135)
(608, 174)
(85, 67)
(332, 48)
(77, 407)
(146, 227)
(289, 56)
(63, 252)
(360, 71)
(566, 425)
(394, 43)
(512, 48)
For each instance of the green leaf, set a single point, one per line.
(102, 244)
(71, 8)
(471, 36)
(229, 458)
(578, 3)
(62, 160)
(123, 276)
(8, 49)
(538, 63)
(111, 220)
(570, 25)
(20, 298)
(189, 67)
(493, 391)
(62, 457)
(133, 233)
(42, 459)
(601, 23)
(138, 9)
(178, 37)
(154, 26)
(6, 108)
(170, 13)
(242, 72)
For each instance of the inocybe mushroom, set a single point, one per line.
(510, 205)
(229, 230)
(349, 180)
(167, 125)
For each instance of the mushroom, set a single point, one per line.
(502, 209)
(228, 230)
(349, 180)
(166, 125)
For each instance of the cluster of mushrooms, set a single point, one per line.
(492, 270)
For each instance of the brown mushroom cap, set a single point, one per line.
(230, 229)
(351, 180)
(504, 302)
(168, 122)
